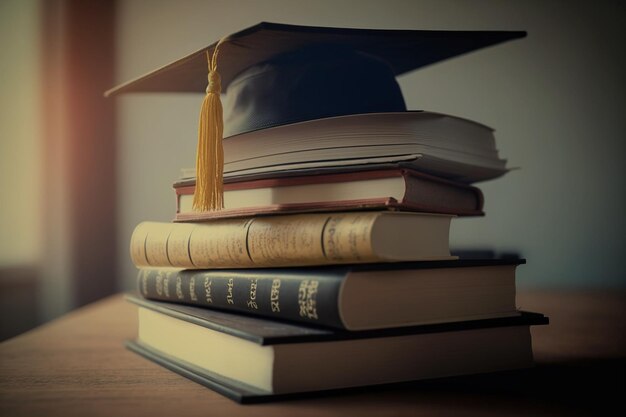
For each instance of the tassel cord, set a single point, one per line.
(209, 194)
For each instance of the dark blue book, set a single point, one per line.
(352, 297)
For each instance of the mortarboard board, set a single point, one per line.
(276, 74)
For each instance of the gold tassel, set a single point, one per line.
(209, 191)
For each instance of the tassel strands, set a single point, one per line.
(209, 191)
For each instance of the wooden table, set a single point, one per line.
(77, 366)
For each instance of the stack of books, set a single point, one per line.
(327, 278)
(329, 266)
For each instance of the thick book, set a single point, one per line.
(373, 189)
(443, 145)
(293, 240)
(249, 359)
(354, 297)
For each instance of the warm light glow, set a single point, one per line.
(20, 133)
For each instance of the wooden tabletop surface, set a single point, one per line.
(77, 366)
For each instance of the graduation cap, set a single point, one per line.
(273, 74)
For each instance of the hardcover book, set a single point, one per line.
(293, 240)
(365, 189)
(251, 359)
(444, 145)
(354, 297)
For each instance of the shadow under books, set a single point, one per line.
(581, 386)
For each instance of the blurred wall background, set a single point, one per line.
(77, 175)
(58, 161)
(20, 162)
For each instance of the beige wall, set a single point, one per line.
(556, 100)
(33, 184)
(20, 128)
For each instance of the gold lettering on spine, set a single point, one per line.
(159, 283)
(307, 298)
(207, 290)
(192, 289)
(287, 240)
(275, 295)
(252, 301)
(220, 244)
(166, 284)
(230, 299)
(347, 237)
(179, 289)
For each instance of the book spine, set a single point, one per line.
(305, 298)
(295, 240)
